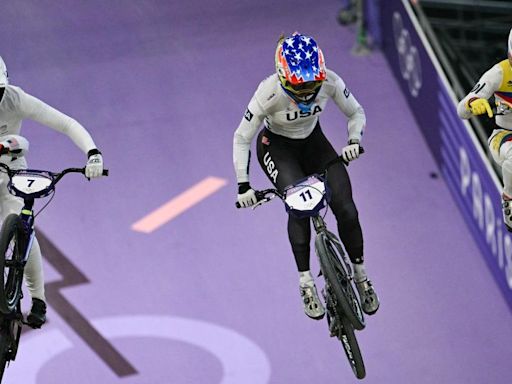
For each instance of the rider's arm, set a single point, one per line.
(35, 109)
(484, 89)
(348, 104)
(247, 129)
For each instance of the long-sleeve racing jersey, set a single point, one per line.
(271, 106)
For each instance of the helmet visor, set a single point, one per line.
(305, 92)
(304, 89)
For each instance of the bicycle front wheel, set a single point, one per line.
(11, 268)
(350, 345)
(346, 300)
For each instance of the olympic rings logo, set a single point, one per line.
(408, 56)
(242, 360)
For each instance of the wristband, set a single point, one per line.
(93, 152)
(243, 187)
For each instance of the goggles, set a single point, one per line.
(304, 89)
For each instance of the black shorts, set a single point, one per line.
(286, 160)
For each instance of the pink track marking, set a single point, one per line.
(179, 204)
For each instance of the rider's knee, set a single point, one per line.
(299, 233)
(347, 215)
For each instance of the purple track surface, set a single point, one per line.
(212, 296)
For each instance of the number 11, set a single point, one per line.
(303, 195)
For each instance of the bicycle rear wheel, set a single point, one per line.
(11, 267)
(347, 302)
(349, 342)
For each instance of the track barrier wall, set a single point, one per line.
(457, 151)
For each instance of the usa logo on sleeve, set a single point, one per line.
(248, 115)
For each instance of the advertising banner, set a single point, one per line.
(460, 157)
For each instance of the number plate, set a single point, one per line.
(30, 183)
(307, 195)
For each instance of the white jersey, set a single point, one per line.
(16, 105)
(496, 81)
(271, 106)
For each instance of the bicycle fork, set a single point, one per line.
(320, 227)
(27, 221)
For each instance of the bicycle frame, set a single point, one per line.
(33, 184)
(306, 199)
(28, 184)
(321, 229)
(27, 219)
(315, 189)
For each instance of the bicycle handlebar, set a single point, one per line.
(60, 175)
(56, 175)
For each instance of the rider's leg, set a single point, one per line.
(500, 144)
(34, 278)
(345, 211)
(506, 169)
(278, 157)
(299, 234)
(34, 275)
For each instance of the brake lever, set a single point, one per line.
(260, 202)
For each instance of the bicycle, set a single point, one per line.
(307, 198)
(16, 237)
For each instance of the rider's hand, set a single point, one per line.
(14, 145)
(246, 195)
(351, 151)
(94, 167)
(478, 106)
(3, 149)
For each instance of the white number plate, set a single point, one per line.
(30, 183)
(305, 197)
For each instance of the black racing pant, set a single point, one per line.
(286, 161)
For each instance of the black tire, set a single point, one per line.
(350, 345)
(4, 351)
(347, 302)
(11, 268)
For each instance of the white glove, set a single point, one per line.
(247, 199)
(94, 167)
(350, 152)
